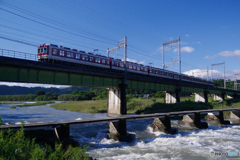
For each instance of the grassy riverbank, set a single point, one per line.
(147, 106)
(32, 104)
(35, 104)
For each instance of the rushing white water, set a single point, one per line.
(187, 144)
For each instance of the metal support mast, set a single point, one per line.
(121, 43)
(235, 83)
(169, 45)
(217, 64)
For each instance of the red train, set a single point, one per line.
(53, 53)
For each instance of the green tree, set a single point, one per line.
(48, 96)
(76, 92)
(159, 94)
(39, 93)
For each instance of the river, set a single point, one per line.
(188, 143)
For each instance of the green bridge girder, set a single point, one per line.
(12, 73)
(29, 75)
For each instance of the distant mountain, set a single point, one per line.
(17, 90)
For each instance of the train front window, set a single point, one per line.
(45, 50)
(39, 50)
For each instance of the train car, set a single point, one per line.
(52, 53)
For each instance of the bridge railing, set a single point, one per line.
(19, 55)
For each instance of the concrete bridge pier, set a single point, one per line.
(62, 131)
(117, 107)
(201, 97)
(217, 116)
(218, 97)
(117, 100)
(230, 96)
(235, 115)
(194, 121)
(164, 124)
(172, 96)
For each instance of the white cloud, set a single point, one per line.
(187, 35)
(141, 62)
(29, 85)
(185, 49)
(131, 60)
(216, 74)
(235, 53)
(198, 42)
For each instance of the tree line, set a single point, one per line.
(92, 93)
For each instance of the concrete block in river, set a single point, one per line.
(194, 121)
(164, 124)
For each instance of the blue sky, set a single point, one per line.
(208, 29)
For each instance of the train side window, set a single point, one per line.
(138, 68)
(145, 69)
(134, 67)
(103, 61)
(97, 60)
(142, 68)
(91, 59)
(156, 72)
(68, 54)
(61, 53)
(45, 50)
(130, 66)
(121, 65)
(54, 51)
(41, 50)
(84, 57)
(78, 56)
(117, 64)
(50, 51)
(151, 70)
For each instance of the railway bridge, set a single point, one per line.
(23, 67)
